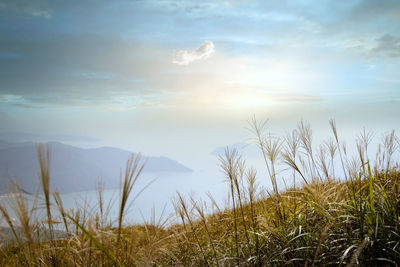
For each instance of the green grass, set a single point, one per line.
(324, 221)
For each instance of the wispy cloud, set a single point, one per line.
(184, 57)
(10, 55)
(389, 45)
(26, 8)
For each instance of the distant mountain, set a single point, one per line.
(72, 168)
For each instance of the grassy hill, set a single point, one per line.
(351, 221)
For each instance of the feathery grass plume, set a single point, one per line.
(323, 165)
(100, 191)
(229, 165)
(365, 138)
(238, 183)
(361, 155)
(331, 146)
(273, 146)
(332, 123)
(252, 195)
(60, 206)
(353, 168)
(76, 214)
(214, 203)
(104, 211)
(132, 171)
(10, 224)
(305, 134)
(270, 148)
(390, 148)
(292, 142)
(82, 212)
(378, 160)
(258, 129)
(20, 207)
(44, 155)
(289, 160)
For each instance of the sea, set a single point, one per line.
(151, 199)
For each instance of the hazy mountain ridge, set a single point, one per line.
(72, 168)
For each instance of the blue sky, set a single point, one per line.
(180, 78)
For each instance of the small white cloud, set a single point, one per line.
(28, 8)
(184, 57)
(9, 98)
(40, 13)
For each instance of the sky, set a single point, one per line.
(182, 78)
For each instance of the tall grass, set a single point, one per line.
(329, 215)
(132, 171)
(44, 155)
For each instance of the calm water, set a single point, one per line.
(155, 199)
(161, 189)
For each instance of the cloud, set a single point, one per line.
(388, 45)
(91, 70)
(368, 10)
(184, 57)
(26, 8)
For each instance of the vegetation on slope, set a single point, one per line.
(325, 221)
